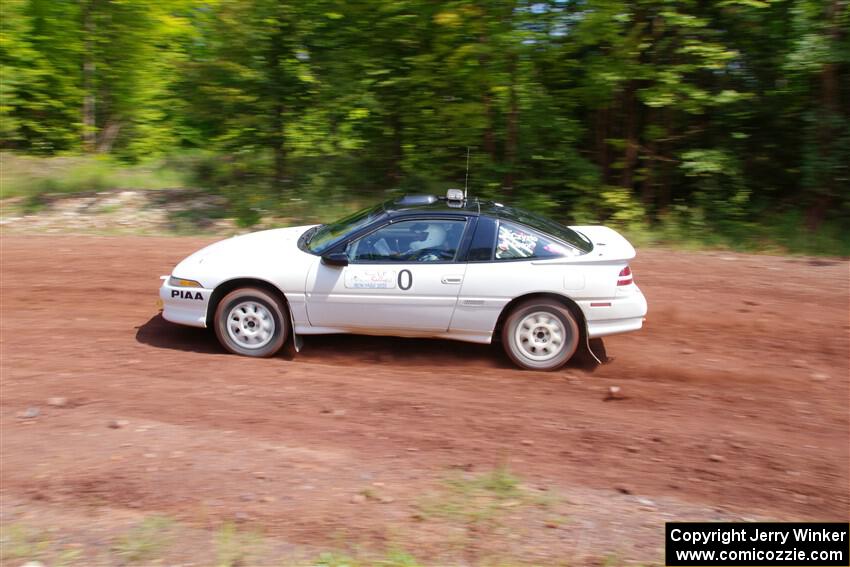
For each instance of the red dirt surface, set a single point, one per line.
(735, 406)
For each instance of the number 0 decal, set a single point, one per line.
(405, 280)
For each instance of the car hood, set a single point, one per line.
(243, 256)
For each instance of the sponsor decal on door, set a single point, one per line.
(370, 279)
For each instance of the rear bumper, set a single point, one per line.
(184, 305)
(612, 316)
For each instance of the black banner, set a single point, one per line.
(763, 544)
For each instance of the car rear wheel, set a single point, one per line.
(540, 334)
(251, 322)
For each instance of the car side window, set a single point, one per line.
(419, 240)
(515, 242)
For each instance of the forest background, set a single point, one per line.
(688, 122)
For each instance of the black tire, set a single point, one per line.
(549, 336)
(257, 308)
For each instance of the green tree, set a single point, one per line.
(632, 111)
(40, 48)
(248, 75)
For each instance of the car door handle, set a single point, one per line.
(452, 279)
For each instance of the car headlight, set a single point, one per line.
(180, 282)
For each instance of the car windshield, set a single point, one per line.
(328, 234)
(542, 224)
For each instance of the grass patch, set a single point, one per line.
(774, 233)
(147, 541)
(488, 507)
(394, 558)
(21, 542)
(159, 540)
(246, 195)
(481, 498)
(235, 548)
(31, 177)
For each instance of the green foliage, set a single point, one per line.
(39, 53)
(633, 112)
(615, 206)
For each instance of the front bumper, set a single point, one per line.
(622, 314)
(184, 305)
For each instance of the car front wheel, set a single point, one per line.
(540, 334)
(251, 322)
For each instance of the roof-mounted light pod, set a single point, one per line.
(454, 197)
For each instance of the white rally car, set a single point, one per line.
(421, 266)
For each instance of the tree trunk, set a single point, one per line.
(89, 100)
(826, 129)
(489, 138)
(107, 137)
(277, 139)
(829, 78)
(631, 155)
(665, 165)
(601, 139)
(279, 154)
(394, 173)
(648, 185)
(487, 99)
(512, 141)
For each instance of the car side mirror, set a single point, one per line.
(335, 259)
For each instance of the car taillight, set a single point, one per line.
(625, 277)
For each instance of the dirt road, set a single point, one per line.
(736, 406)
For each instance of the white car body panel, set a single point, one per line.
(271, 256)
(489, 286)
(461, 301)
(365, 297)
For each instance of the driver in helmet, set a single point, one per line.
(432, 236)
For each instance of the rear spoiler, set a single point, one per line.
(608, 244)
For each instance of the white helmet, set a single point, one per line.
(436, 235)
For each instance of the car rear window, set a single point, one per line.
(518, 242)
(546, 226)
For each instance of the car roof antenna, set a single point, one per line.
(466, 179)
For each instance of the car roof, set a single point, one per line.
(413, 205)
(429, 204)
